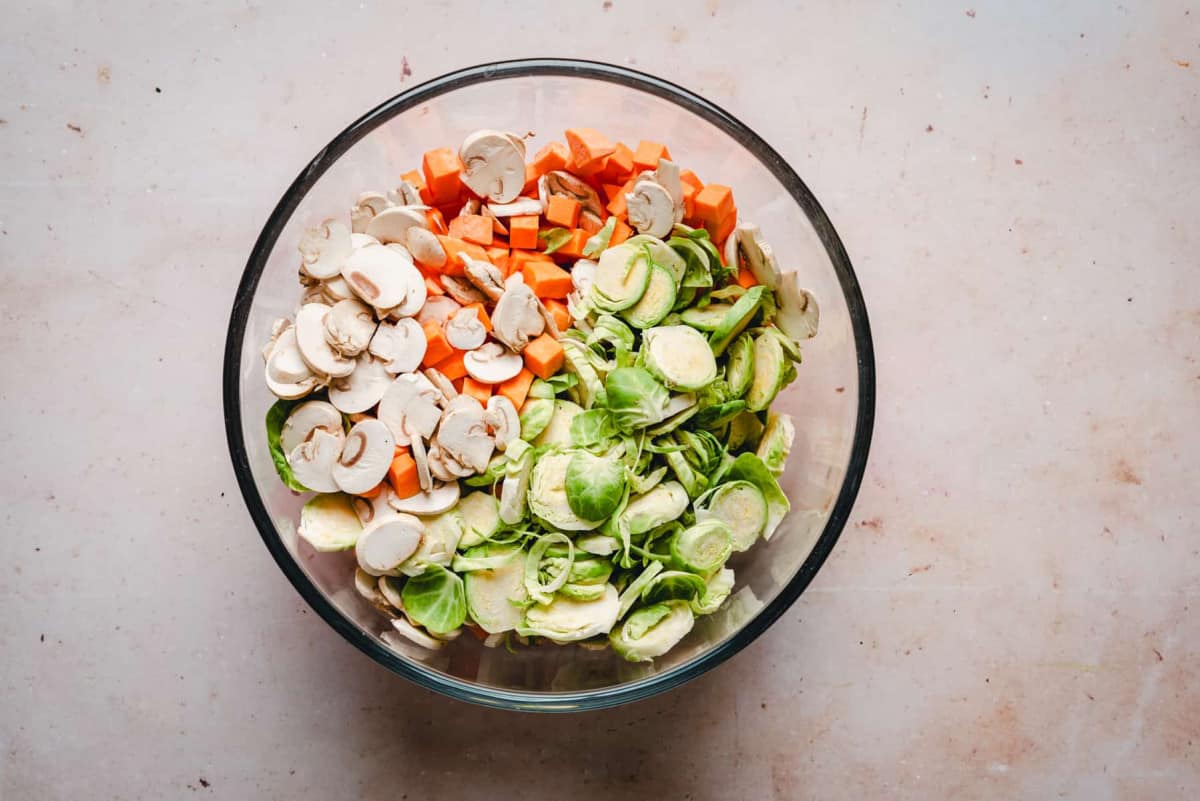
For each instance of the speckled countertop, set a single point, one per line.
(1014, 610)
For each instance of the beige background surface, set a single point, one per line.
(1014, 611)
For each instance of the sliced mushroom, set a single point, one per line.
(493, 165)
(414, 299)
(362, 240)
(583, 275)
(389, 588)
(382, 546)
(444, 386)
(314, 294)
(316, 351)
(563, 183)
(501, 416)
(368, 587)
(485, 276)
(374, 510)
(413, 634)
(668, 177)
(799, 315)
(288, 376)
(518, 208)
(437, 500)
(349, 326)
(462, 291)
(463, 435)
(407, 404)
(650, 208)
(392, 224)
(336, 290)
(517, 317)
(465, 330)
(307, 418)
(324, 249)
(758, 255)
(491, 363)
(731, 249)
(438, 309)
(380, 275)
(497, 226)
(406, 195)
(363, 388)
(417, 446)
(312, 461)
(424, 246)
(400, 347)
(470, 206)
(369, 204)
(365, 458)
(445, 467)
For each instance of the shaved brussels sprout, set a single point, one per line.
(664, 503)
(535, 416)
(635, 399)
(557, 569)
(435, 599)
(702, 548)
(652, 631)
(739, 505)
(481, 518)
(717, 589)
(749, 467)
(776, 442)
(674, 585)
(495, 596)
(558, 430)
(744, 431)
(633, 591)
(679, 356)
(567, 620)
(594, 485)
(739, 370)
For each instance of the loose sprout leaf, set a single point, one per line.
(465, 564)
(436, 600)
(277, 415)
(593, 428)
(539, 591)
(597, 242)
(633, 591)
(555, 238)
(674, 585)
(642, 484)
(594, 485)
(635, 399)
(494, 472)
(717, 589)
(720, 414)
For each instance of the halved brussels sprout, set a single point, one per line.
(328, 522)
(776, 442)
(481, 517)
(737, 319)
(748, 467)
(656, 301)
(679, 356)
(739, 371)
(745, 430)
(717, 589)
(652, 631)
(558, 430)
(674, 585)
(621, 277)
(535, 416)
(770, 369)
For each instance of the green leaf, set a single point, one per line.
(277, 415)
(597, 242)
(555, 238)
(436, 600)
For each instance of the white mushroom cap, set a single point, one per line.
(336, 289)
(392, 224)
(465, 330)
(424, 246)
(349, 326)
(759, 256)
(462, 291)
(517, 317)
(324, 249)
(414, 635)
(518, 208)
(650, 208)
(400, 347)
(417, 291)
(439, 309)
(382, 546)
(380, 275)
(443, 384)
(312, 461)
(560, 182)
(491, 363)
(493, 165)
(464, 435)
(410, 403)
(369, 204)
(288, 376)
(799, 315)
(306, 418)
(583, 275)
(363, 388)
(486, 276)
(365, 457)
(439, 499)
(314, 348)
(405, 195)
(501, 416)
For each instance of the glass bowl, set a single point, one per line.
(832, 401)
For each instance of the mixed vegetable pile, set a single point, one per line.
(549, 417)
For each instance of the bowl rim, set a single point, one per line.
(584, 699)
